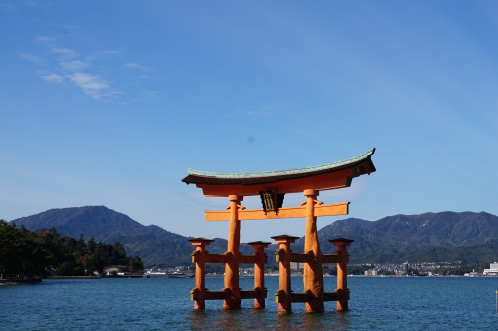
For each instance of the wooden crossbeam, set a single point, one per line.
(225, 258)
(303, 258)
(214, 295)
(218, 258)
(289, 212)
(300, 297)
(330, 258)
(249, 294)
(300, 257)
(331, 296)
(305, 297)
(220, 295)
(247, 259)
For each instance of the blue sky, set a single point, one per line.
(108, 102)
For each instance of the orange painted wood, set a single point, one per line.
(342, 275)
(215, 295)
(247, 259)
(284, 293)
(231, 280)
(220, 295)
(259, 273)
(300, 297)
(198, 293)
(299, 257)
(312, 271)
(250, 294)
(322, 182)
(330, 258)
(289, 212)
(331, 296)
(218, 258)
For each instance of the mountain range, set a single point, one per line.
(445, 236)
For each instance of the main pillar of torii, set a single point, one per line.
(271, 186)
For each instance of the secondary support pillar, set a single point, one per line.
(284, 293)
(233, 298)
(313, 274)
(259, 272)
(342, 272)
(198, 293)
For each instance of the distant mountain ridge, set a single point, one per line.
(152, 243)
(446, 229)
(395, 238)
(98, 221)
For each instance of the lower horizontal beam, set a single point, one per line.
(327, 296)
(253, 294)
(221, 295)
(331, 296)
(250, 294)
(300, 297)
(214, 295)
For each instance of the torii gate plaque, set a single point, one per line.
(271, 186)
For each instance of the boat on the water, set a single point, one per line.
(180, 276)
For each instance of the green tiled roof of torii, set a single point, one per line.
(247, 178)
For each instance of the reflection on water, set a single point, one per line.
(262, 319)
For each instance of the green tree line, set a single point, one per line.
(28, 254)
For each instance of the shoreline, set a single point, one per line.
(8, 282)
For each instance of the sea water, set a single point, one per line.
(158, 303)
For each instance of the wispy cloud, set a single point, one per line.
(137, 66)
(7, 6)
(53, 78)
(48, 41)
(64, 53)
(92, 85)
(102, 54)
(151, 93)
(32, 58)
(74, 66)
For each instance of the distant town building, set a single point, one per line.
(492, 271)
(372, 272)
(405, 268)
(120, 269)
(296, 265)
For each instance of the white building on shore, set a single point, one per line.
(492, 271)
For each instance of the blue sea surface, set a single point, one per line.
(158, 303)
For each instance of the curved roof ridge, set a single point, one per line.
(281, 172)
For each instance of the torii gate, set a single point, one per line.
(271, 186)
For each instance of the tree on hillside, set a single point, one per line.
(23, 253)
(26, 254)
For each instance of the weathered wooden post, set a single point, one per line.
(342, 272)
(233, 298)
(259, 272)
(198, 294)
(313, 274)
(283, 255)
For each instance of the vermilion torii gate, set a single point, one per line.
(271, 186)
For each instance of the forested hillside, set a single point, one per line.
(28, 254)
